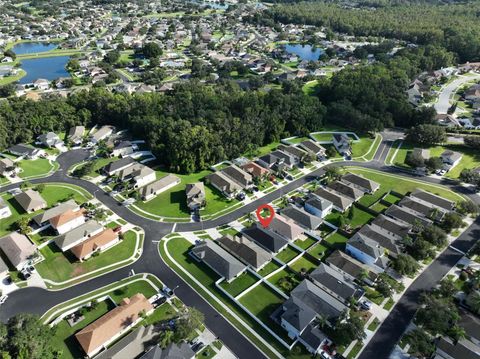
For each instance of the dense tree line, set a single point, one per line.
(453, 26)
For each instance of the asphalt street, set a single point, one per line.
(37, 300)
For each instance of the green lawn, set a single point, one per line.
(296, 140)
(239, 284)
(306, 243)
(355, 350)
(336, 240)
(269, 268)
(361, 147)
(287, 254)
(303, 263)
(172, 203)
(374, 324)
(261, 302)
(319, 251)
(9, 79)
(160, 314)
(263, 150)
(310, 88)
(389, 304)
(34, 168)
(373, 295)
(379, 207)
(59, 266)
(390, 198)
(402, 184)
(98, 164)
(323, 137)
(206, 353)
(360, 217)
(285, 273)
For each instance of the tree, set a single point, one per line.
(414, 159)
(10, 53)
(421, 249)
(447, 288)
(473, 301)
(437, 315)
(332, 173)
(405, 265)
(426, 135)
(187, 325)
(421, 344)
(40, 187)
(112, 56)
(151, 50)
(331, 151)
(467, 207)
(166, 338)
(472, 141)
(434, 235)
(451, 221)
(434, 163)
(384, 288)
(470, 176)
(348, 330)
(23, 225)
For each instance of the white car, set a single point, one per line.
(325, 355)
(3, 299)
(366, 304)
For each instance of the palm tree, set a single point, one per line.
(473, 301)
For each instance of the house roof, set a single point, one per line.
(218, 259)
(131, 345)
(463, 349)
(135, 171)
(381, 237)
(82, 232)
(392, 225)
(312, 146)
(319, 203)
(288, 158)
(302, 217)
(123, 144)
(103, 329)
(17, 247)
(117, 165)
(425, 208)
(30, 199)
(163, 182)
(349, 265)
(3, 266)
(286, 227)
(93, 243)
(346, 190)
(471, 324)
(246, 250)
(3, 204)
(269, 159)
(195, 189)
(104, 130)
(223, 182)
(313, 336)
(255, 169)
(297, 314)
(433, 199)
(238, 175)
(406, 215)
(23, 149)
(269, 240)
(293, 150)
(65, 217)
(173, 351)
(76, 132)
(5, 163)
(370, 248)
(338, 200)
(451, 155)
(55, 211)
(334, 281)
(360, 182)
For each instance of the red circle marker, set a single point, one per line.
(265, 221)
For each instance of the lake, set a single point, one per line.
(49, 68)
(304, 52)
(32, 47)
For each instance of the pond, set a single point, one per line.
(33, 47)
(304, 52)
(49, 68)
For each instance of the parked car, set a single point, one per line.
(167, 291)
(366, 304)
(325, 355)
(25, 274)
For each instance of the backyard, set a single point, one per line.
(239, 284)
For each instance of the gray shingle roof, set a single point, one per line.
(406, 215)
(391, 225)
(302, 217)
(349, 265)
(360, 182)
(338, 200)
(269, 240)
(17, 248)
(55, 211)
(433, 199)
(334, 281)
(382, 238)
(119, 164)
(346, 190)
(246, 250)
(77, 235)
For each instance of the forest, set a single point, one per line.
(454, 26)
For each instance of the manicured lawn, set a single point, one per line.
(403, 185)
(360, 217)
(374, 324)
(296, 140)
(390, 198)
(239, 284)
(379, 207)
(333, 218)
(279, 277)
(172, 203)
(337, 240)
(373, 295)
(231, 231)
(162, 313)
(303, 263)
(31, 168)
(306, 243)
(287, 254)
(389, 304)
(361, 147)
(206, 353)
(59, 266)
(269, 268)
(310, 88)
(263, 150)
(261, 302)
(10, 79)
(98, 164)
(319, 251)
(355, 350)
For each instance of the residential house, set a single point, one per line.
(346, 190)
(178, 351)
(335, 284)
(30, 201)
(286, 227)
(117, 166)
(471, 324)
(224, 184)
(239, 176)
(351, 268)
(106, 329)
(7, 167)
(361, 183)
(68, 220)
(472, 93)
(137, 174)
(317, 150)
(163, 184)
(341, 141)
(383, 238)
(25, 151)
(3, 269)
(447, 120)
(246, 250)
(271, 162)
(450, 158)
(75, 134)
(41, 84)
(218, 259)
(288, 160)
(101, 134)
(462, 349)
(195, 193)
(317, 206)
(5, 211)
(425, 208)
(367, 251)
(393, 227)
(18, 249)
(43, 219)
(296, 152)
(407, 216)
(306, 303)
(123, 148)
(414, 94)
(50, 139)
(302, 217)
(340, 202)
(255, 170)
(77, 235)
(269, 240)
(102, 241)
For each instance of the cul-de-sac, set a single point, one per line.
(243, 179)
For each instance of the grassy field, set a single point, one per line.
(284, 273)
(239, 284)
(98, 164)
(269, 268)
(310, 88)
(59, 266)
(361, 147)
(287, 254)
(261, 302)
(38, 167)
(401, 185)
(172, 203)
(263, 150)
(9, 79)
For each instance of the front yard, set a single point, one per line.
(35, 168)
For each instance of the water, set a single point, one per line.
(33, 47)
(213, 5)
(49, 68)
(304, 52)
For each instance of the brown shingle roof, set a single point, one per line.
(106, 327)
(30, 200)
(91, 244)
(65, 217)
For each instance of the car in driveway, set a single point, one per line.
(325, 355)
(366, 304)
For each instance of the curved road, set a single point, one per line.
(443, 103)
(150, 262)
